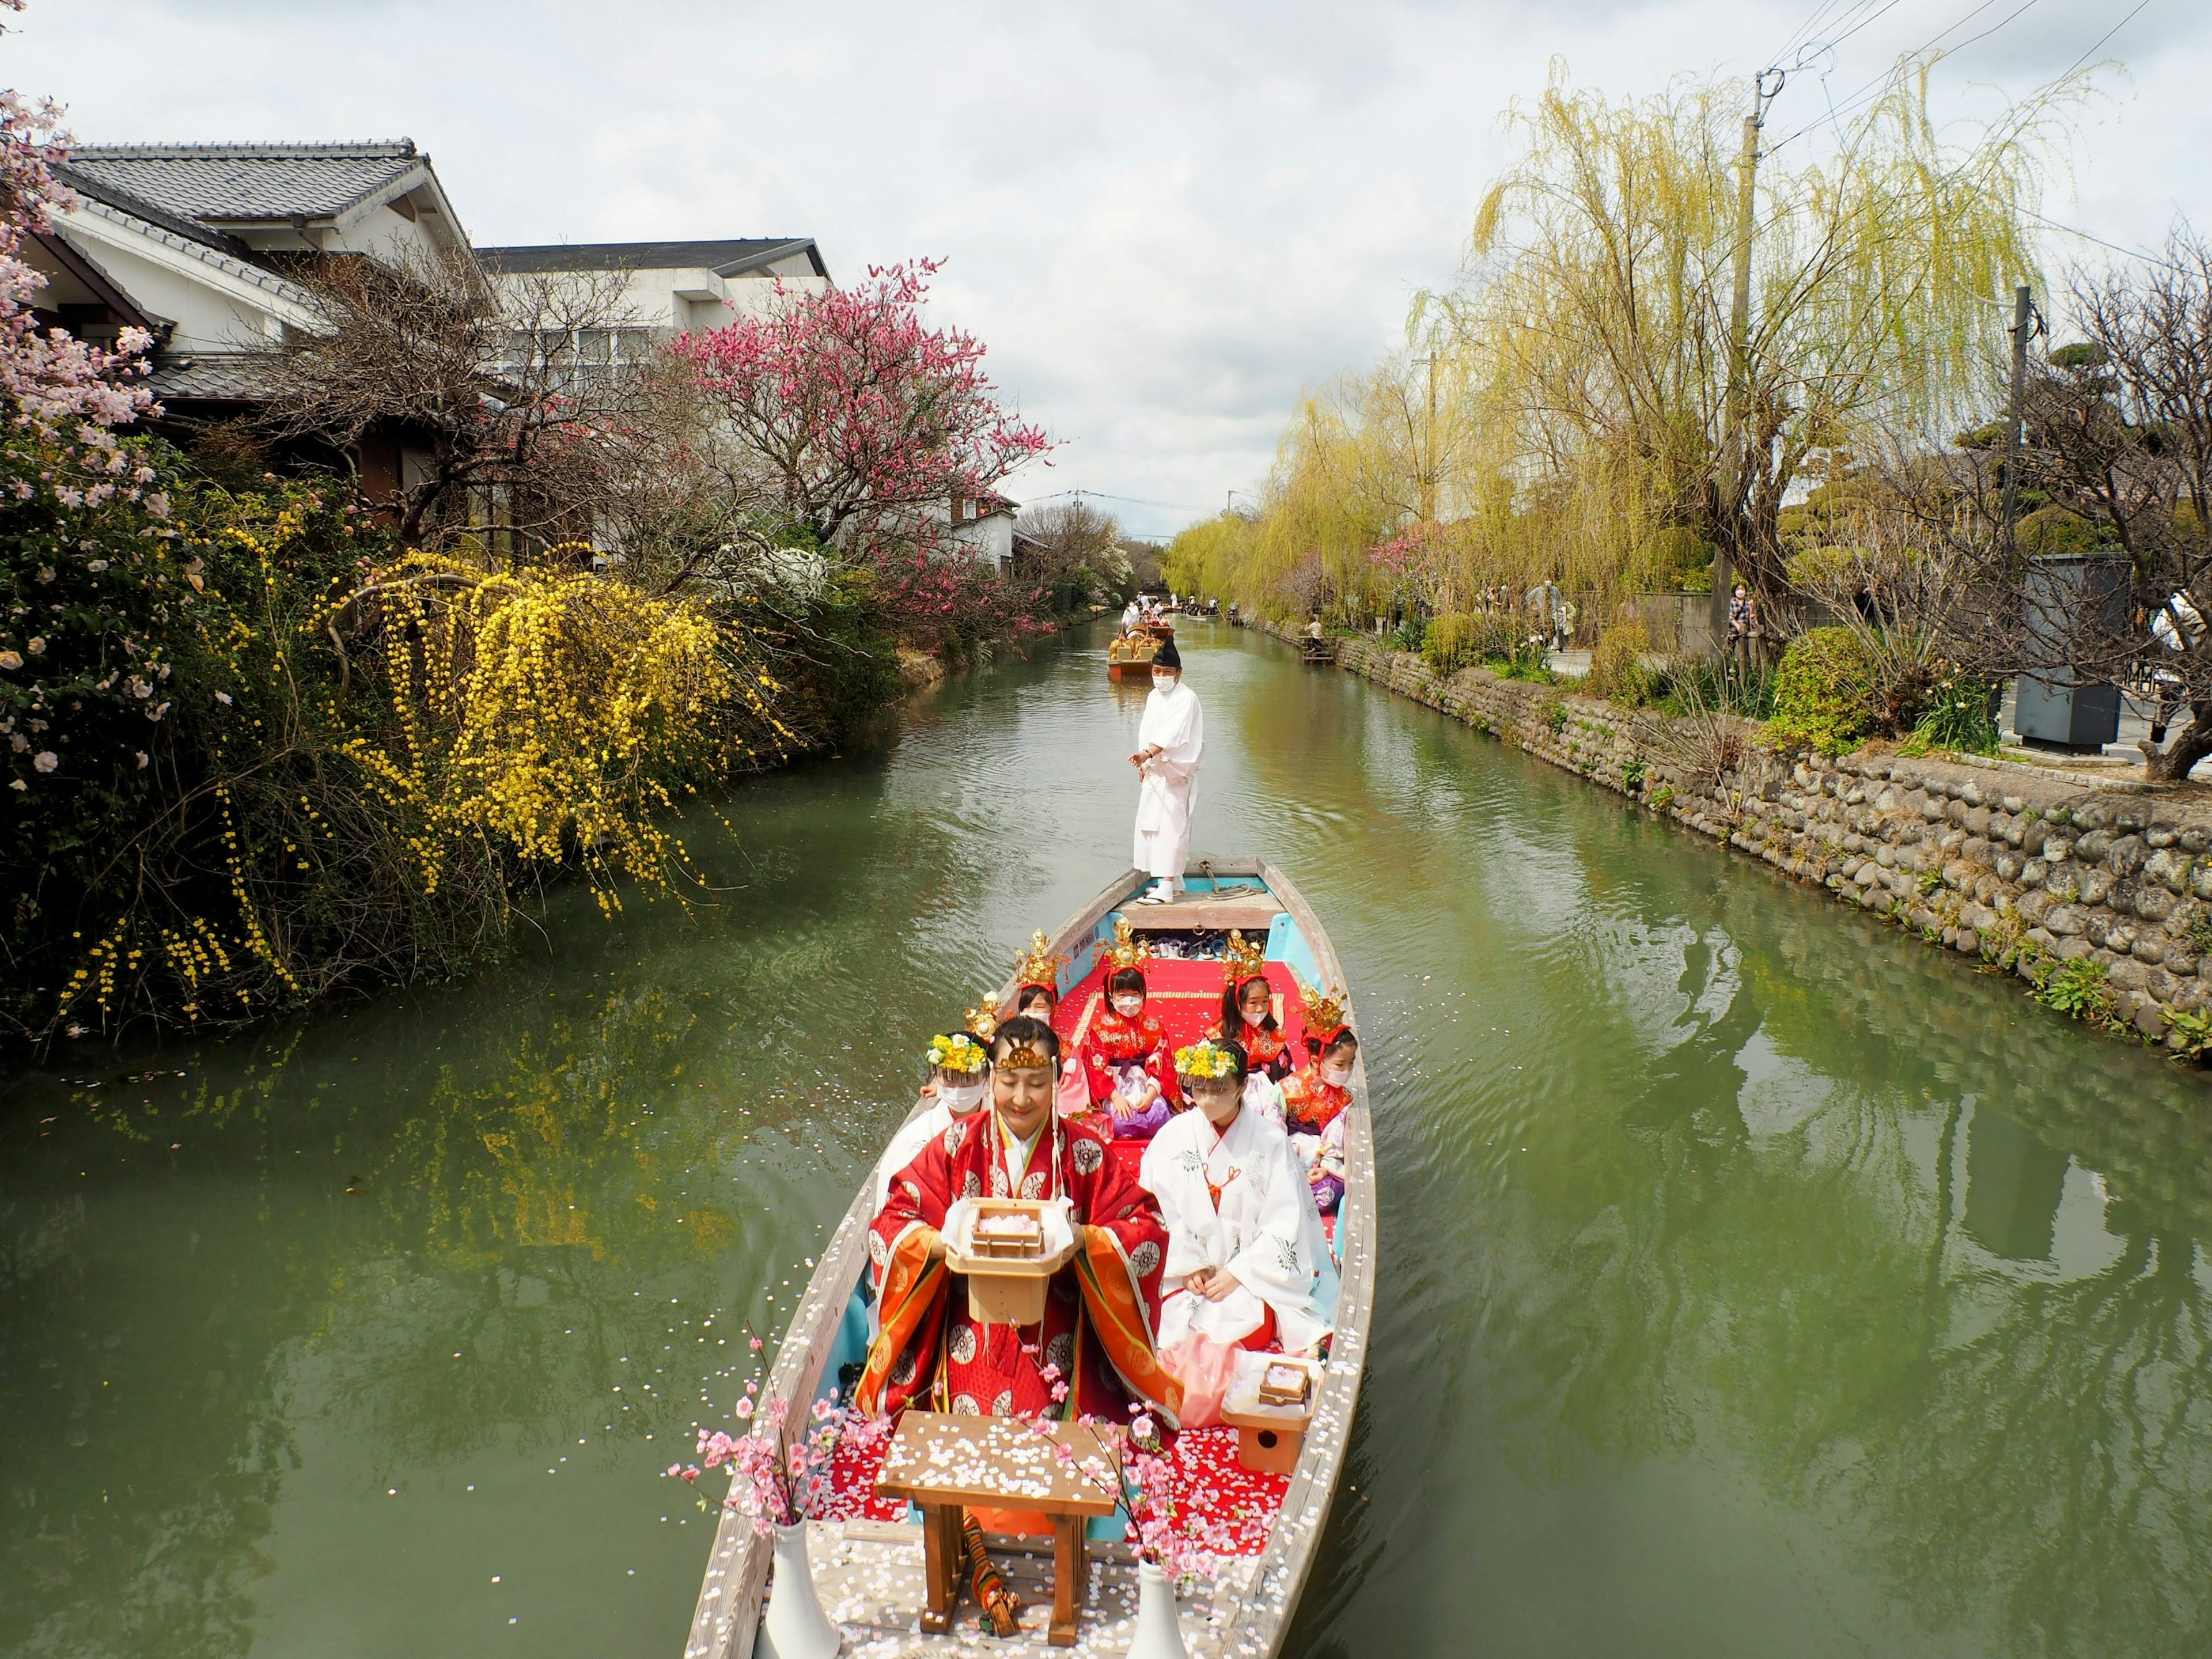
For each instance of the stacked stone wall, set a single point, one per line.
(2018, 866)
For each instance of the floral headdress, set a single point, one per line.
(1038, 965)
(1242, 959)
(957, 1053)
(1127, 951)
(1324, 1011)
(1206, 1060)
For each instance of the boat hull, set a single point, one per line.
(1248, 1613)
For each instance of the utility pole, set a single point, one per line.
(1735, 441)
(2022, 309)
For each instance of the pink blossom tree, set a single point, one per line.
(50, 381)
(863, 420)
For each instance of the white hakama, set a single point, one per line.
(1168, 791)
(1263, 1228)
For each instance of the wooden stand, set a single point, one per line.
(946, 1464)
(1268, 1437)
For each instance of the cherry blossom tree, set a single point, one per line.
(51, 381)
(862, 420)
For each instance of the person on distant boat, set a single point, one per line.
(1171, 744)
(959, 1079)
(1132, 614)
(1093, 1352)
(1247, 1007)
(1246, 1252)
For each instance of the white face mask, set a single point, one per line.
(1128, 1007)
(1161, 682)
(1336, 1076)
(962, 1098)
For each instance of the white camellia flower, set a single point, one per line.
(10, 660)
(37, 646)
(46, 760)
(223, 697)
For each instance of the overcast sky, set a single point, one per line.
(1163, 219)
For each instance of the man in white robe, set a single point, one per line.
(1170, 742)
(1243, 1237)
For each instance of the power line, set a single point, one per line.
(1106, 495)
(1869, 89)
(2106, 36)
(2132, 252)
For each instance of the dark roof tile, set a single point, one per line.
(223, 183)
(717, 256)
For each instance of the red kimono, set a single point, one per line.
(1101, 1309)
(1265, 1049)
(1310, 1105)
(1114, 1041)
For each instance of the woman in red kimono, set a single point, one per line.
(1093, 1352)
(1123, 1041)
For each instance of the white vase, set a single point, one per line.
(794, 1625)
(1158, 1634)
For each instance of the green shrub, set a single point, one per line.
(1823, 691)
(1617, 671)
(1955, 718)
(1409, 635)
(1454, 642)
(2079, 990)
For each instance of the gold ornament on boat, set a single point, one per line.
(1127, 951)
(1243, 958)
(1038, 965)
(1324, 1010)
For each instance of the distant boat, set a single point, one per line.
(868, 1571)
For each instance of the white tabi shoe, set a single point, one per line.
(1157, 893)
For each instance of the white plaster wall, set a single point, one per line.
(206, 319)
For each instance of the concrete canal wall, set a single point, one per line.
(2017, 866)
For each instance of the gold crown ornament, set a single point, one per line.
(1243, 958)
(957, 1053)
(1038, 966)
(1324, 1010)
(983, 1022)
(1127, 951)
(1023, 1057)
(1205, 1059)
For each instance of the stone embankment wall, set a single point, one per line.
(2011, 865)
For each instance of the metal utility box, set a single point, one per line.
(2071, 598)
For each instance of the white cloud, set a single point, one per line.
(1163, 219)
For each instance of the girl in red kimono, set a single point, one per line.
(1093, 1352)
(1036, 994)
(1319, 1091)
(1248, 1015)
(1125, 1039)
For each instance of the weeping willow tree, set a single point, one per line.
(1601, 270)
(1567, 411)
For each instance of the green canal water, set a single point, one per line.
(1754, 1283)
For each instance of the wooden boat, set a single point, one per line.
(1131, 654)
(869, 1571)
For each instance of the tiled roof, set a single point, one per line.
(239, 182)
(729, 257)
(221, 377)
(205, 246)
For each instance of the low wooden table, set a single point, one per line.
(946, 1464)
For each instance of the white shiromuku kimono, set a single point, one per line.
(1238, 1200)
(1169, 789)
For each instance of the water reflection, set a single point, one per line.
(1754, 1279)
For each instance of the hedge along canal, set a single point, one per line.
(1758, 1280)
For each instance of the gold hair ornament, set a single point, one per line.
(1127, 951)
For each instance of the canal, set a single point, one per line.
(1756, 1282)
